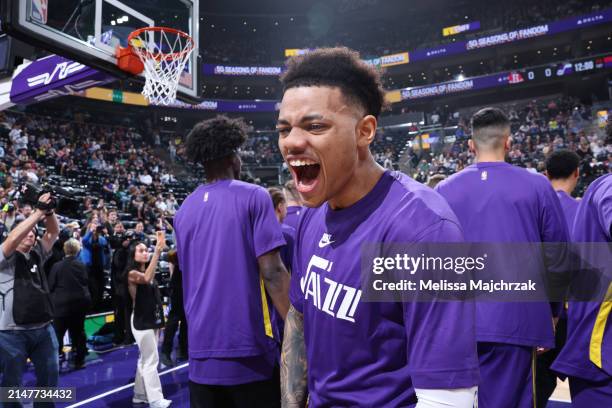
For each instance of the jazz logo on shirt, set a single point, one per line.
(336, 299)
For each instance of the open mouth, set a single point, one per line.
(306, 174)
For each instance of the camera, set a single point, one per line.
(62, 199)
(127, 236)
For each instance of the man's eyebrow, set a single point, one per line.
(304, 119)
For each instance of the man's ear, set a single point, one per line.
(507, 144)
(471, 146)
(366, 130)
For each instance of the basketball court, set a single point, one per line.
(108, 381)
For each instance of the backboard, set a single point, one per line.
(89, 31)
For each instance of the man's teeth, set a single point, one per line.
(297, 163)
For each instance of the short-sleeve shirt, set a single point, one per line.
(569, 205)
(293, 215)
(221, 229)
(588, 350)
(374, 353)
(498, 202)
(7, 280)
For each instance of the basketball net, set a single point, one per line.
(164, 52)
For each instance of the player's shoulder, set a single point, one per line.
(288, 229)
(599, 190)
(288, 232)
(601, 185)
(501, 169)
(414, 199)
(242, 187)
(187, 201)
(538, 179)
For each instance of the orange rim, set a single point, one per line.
(160, 55)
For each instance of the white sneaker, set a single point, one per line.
(140, 399)
(162, 403)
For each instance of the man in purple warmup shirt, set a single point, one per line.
(587, 355)
(227, 241)
(562, 171)
(498, 202)
(294, 204)
(339, 350)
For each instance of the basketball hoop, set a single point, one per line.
(162, 54)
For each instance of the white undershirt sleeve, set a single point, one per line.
(446, 398)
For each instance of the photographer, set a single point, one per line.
(120, 243)
(26, 311)
(94, 256)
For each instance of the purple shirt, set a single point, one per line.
(593, 223)
(368, 353)
(221, 229)
(293, 215)
(286, 252)
(569, 205)
(498, 202)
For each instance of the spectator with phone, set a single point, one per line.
(147, 319)
(94, 256)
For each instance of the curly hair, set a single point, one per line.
(340, 67)
(214, 139)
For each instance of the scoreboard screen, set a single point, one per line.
(566, 68)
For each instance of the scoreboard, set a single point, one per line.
(558, 70)
(541, 73)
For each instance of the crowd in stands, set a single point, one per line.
(121, 186)
(116, 187)
(229, 37)
(128, 171)
(538, 128)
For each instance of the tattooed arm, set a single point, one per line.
(294, 389)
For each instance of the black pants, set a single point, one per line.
(75, 324)
(176, 316)
(546, 379)
(96, 287)
(122, 311)
(260, 394)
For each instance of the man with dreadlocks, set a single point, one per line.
(227, 241)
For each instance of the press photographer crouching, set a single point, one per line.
(26, 310)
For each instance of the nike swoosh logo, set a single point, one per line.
(323, 243)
